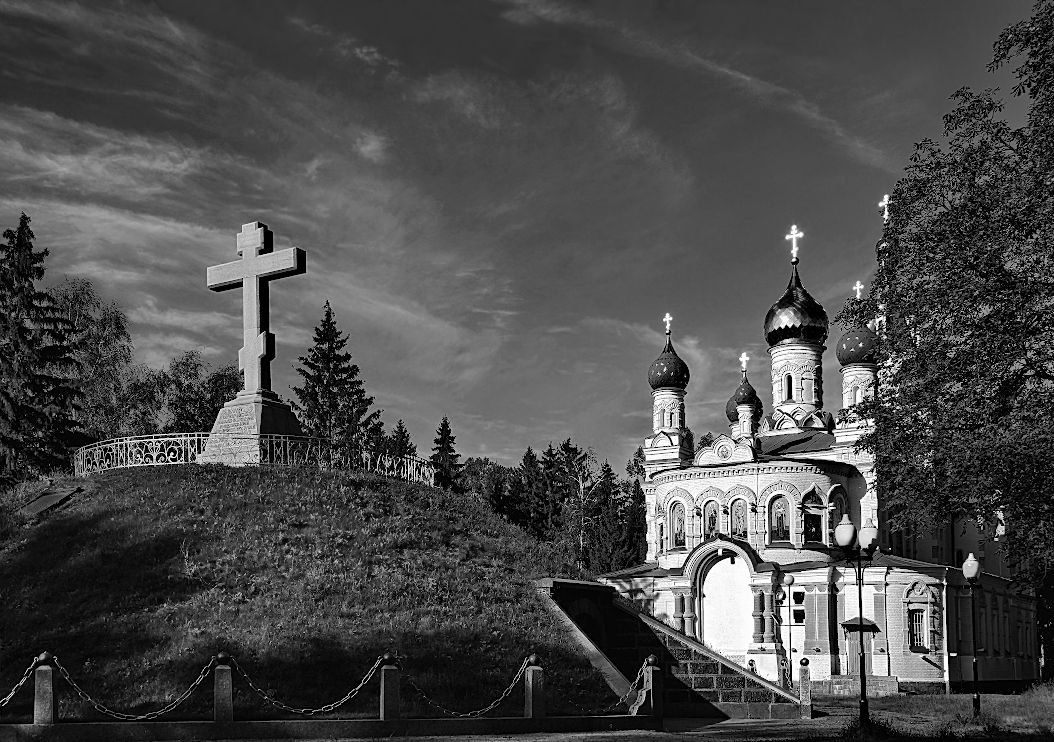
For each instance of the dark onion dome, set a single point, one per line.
(668, 370)
(744, 394)
(796, 316)
(858, 345)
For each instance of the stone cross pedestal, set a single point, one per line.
(256, 410)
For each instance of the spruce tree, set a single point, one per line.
(332, 403)
(39, 390)
(399, 443)
(445, 458)
(530, 510)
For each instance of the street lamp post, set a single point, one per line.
(857, 549)
(971, 570)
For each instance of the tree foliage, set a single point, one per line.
(102, 347)
(964, 423)
(563, 496)
(333, 403)
(193, 392)
(38, 370)
(446, 459)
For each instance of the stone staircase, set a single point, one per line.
(699, 681)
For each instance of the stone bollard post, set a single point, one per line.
(44, 706)
(653, 685)
(804, 690)
(222, 690)
(533, 689)
(389, 688)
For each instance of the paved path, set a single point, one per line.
(677, 730)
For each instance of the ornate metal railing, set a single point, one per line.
(245, 450)
(139, 450)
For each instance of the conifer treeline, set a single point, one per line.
(565, 496)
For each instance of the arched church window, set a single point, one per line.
(838, 509)
(812, 518)
(788, 387)
(858, 395)
(738, 519)
(710, 519)
(677, 524)
(779, 519)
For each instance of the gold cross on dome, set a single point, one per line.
(794, 235)
(858, 288)
(667, 319)
(743, 361)
(884, 205)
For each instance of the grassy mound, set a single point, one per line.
(305, 577)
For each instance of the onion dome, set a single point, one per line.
(668, 370)
(744, 394)
(858, 345)
(796, 316)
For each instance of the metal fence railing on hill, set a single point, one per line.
(262, 450)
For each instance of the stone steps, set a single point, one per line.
(699, 682)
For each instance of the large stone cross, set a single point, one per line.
(258, 266)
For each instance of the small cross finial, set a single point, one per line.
(858, 287)
(884, 205)
(794, 235)
(743, 362)
(667, 319)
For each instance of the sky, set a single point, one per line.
(500, 199)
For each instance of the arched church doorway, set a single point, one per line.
(726, 607)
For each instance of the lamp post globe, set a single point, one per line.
(845, 533)
(971, 567)
(868, 537)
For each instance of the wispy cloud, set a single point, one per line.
(344, 46)
(640, 42)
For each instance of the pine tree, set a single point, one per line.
(399, 443)
(333, 404)
(603, 526)
(39, 390)
(530, 510)
(445, 458)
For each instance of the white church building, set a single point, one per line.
(741, 552)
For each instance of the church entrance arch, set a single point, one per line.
(726, 605)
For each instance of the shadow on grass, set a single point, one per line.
(305, 578)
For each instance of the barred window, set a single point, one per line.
(917, 628)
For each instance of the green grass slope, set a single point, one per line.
(305, 577)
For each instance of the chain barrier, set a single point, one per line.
(623, 700)
(134, 717)
(478, 712)
(304, 711)
(18, 686)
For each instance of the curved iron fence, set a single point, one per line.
(259, 450)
